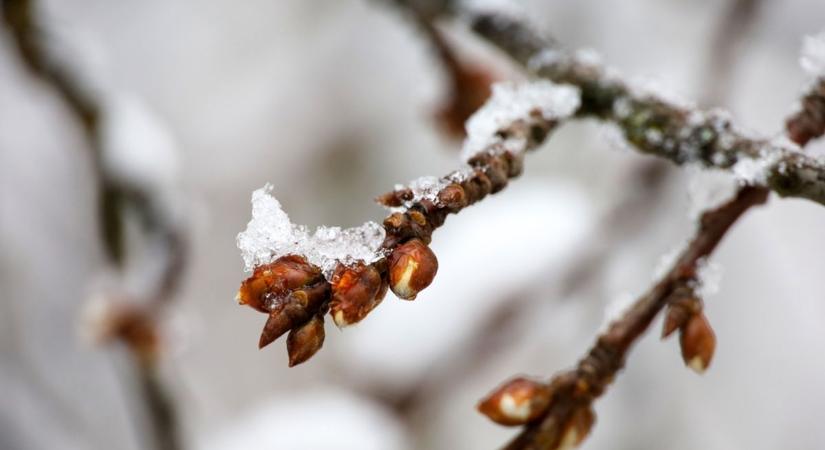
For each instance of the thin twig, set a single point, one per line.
(576, 390)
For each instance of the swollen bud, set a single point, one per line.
(516, 402)
(698, 343)
(276, 280)
(294, 310)
(412, 268)
(356, 291)
(305, 341)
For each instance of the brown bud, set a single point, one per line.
(577, 428)
(294, 310)
(453, 197)
(275, 280)
(471, 88)
(396, 198)
(412, 268)
(497, 172)
(305, 341)
(679, 311)
(516, 402)
(355, 292)
(698, 343)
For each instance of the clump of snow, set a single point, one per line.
(511, 102)
(755, 171)
(812, 59)
(428, 187)
(708, 277)
(270, 234)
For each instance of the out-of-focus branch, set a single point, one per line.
(653, 125)
(468, 84)
(559, 414)
(134, 325)
(731, 33)
(809, 122)
(568, 414)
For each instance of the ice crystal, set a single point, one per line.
(270, 234)
(511, 102)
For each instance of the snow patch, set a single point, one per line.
(270, 234)
(511, 102)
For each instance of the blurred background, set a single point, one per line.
(333, 102)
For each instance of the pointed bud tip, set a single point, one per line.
(697, 365)
(339, 320)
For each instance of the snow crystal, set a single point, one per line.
(512, 102)
(813, 55)
(270, 234)
(427, 188)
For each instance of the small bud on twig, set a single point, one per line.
(698, 343)
(276, 280)
(577, 428)
(355, 292)
(516, 402)
(680, 310)
(412, 268)
(305, 341)
(292, 311)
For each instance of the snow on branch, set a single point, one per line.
(298, 277)
(270, 234)
(559, 413)
(656, 126)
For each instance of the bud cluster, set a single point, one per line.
(562, 402)
(296, 296)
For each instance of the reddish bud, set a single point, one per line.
(698, 343)
(305, 341)
(453, 197)
(355, 292)
(276, 280)
(293, 311)
(516, 402)
(412, 268)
